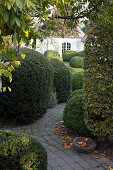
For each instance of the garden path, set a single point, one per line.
(59, 158)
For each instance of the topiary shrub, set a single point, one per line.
(98, 80)
(61, 80)
(20, 151)
(76, 62)
(80, 54)
(73, 113)
(80, 91)
(77, 81)
(52, 54)
(31, 89)
(67, 55)
(74, 70)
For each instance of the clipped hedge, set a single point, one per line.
(73, 113)
(80, 54)
(78, 92)
(74, 70)
(98, 80)
(76, 62)
(61, 80)
(67, 55)
(77, 81)
(20, 151)
(31, 88)
(52, 54)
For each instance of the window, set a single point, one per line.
(66, 46)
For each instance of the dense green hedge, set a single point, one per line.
(52, 54)
(19, 151)
(98, 86)
(67, 55)
(76, 62)
(80, 54)
(73, 113)
(77, 81)
(74, 70)
(61, 80)
(31, 88)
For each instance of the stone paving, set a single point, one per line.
(59, 158)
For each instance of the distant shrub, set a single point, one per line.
(80, 54)
(73, 113)
(76, 62)
(52, 54)
(67, 55)
(31, 88)
(61, 80)
(19, 151)
(77, 81)
(74, 70)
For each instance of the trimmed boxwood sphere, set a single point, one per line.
(73, 113)
(77, 81)
(77, 62)
(61, 80)
(20, 151)
(67, 55)
(31, 88)
(52, 54)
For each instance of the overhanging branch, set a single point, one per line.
(80, 15)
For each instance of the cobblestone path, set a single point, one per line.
(59, 158)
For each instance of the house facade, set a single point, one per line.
(60, 44)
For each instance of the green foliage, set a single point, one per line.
(20, 151)
(53, 99)
(61, 80)
(67, 55)
(74, 70)
(98, 77)
(77, 81)
(73, 113)
(52, 54)
(78, 92)
(31, 88)
(79, 53)
(76, 62)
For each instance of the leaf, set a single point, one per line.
(4, 89)
(8, 6)
(9, 89)
(6, 16)
(17, 21)
(106, 164)
(98, 157)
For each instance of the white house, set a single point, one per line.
(60, 44)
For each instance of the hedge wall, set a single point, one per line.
(98, 80)
(19, 151)
(31, 89)
(61, 80)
